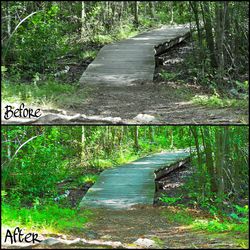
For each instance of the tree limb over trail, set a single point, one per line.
(11, 35)
(19, 149)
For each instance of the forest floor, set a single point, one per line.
(172, 98)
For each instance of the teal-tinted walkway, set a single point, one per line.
(130, 184)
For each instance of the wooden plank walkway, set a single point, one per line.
(130, 184)
(131, 59)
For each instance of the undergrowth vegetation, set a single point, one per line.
(204, 221)
(49, 93)
(43, 218)
(217, 101)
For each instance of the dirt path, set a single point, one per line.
(146, 103)
(142, 227)
(150, 223)
(156, 104)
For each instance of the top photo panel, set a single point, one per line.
(124, 62)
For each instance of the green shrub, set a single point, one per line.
(39, 42)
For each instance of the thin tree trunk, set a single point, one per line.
(151, 134)
(152, 9)
(219, 161)
(171, 138)
(209, 32)
(83, 139)
(136, 134)
(8, 19)
(83, 16)
(136, 18)
(197, 146)
(220, 36)
(209, 159)
(172, 12)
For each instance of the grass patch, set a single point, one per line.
(169, 76)
(88, 54)
(169, 200)
(50, 94)
(88, 178)
(49, 218)
(218, 225)
(204, 222)
(218, 102)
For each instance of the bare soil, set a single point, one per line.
(127, 226)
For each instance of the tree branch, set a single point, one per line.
(20, 148)
(11, 35)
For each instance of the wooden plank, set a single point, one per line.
(120, 62)
(130, 184)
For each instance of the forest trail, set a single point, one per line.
(157, 101)
(130, 184)
(132, 59)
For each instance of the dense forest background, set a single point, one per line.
(42, 41)
(35, 159)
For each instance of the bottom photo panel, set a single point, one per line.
(130, 187)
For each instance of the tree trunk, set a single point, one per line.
(136, 18)
(195, 9)
(219, 161)
(152, 9)
(171, 138)
(83, 16)
(197, 146)
(172, 12)
(151, 134)
(209, 32)
(83, 145)
(8, 19)
(209, 159)
(136, 134)
(220, 12)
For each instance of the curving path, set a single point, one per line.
(130, 184)
(131, 59)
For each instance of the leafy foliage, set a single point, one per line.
(169, 200)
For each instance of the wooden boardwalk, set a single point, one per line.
(132, 59)
(130, 184)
